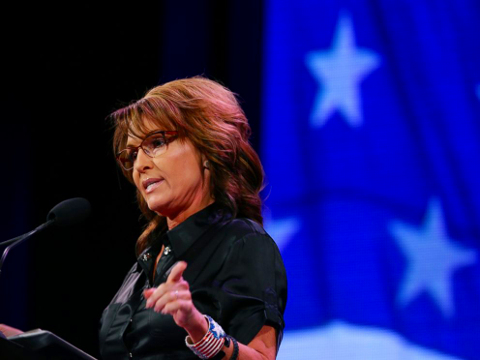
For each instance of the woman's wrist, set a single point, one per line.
(199, 327)
(211, 344)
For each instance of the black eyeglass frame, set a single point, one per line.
(168, 137)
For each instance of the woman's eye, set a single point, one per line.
(133, 154)
(157, 143)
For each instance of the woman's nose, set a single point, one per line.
(143, 161)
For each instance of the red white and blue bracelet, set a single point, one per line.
(211, 344)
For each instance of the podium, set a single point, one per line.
(40, 345)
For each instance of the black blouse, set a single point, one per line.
(236, 275)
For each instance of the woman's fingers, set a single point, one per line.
(147, 293)
(172, 297)
(164, 293)
(185, 306)
(177, 272)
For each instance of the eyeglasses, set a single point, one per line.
(153, 144)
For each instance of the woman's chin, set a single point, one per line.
(155, 207)
(158, 207)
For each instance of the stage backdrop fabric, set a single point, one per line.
(371, 146)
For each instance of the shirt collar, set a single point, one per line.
(182, 237)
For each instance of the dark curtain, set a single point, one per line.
(68, 68)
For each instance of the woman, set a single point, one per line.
(209, 282)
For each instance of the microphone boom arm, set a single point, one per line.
(66, 213)
(19, 239)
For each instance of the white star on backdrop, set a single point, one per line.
(339, 72)
(432, 258)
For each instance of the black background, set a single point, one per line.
(64, 70)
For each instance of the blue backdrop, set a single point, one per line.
(371, 145)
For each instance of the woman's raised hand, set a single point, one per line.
(173, 297)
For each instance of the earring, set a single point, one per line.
(206, 165)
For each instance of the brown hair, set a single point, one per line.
(209, 115)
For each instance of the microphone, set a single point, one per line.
(68, 212)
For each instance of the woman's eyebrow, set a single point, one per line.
(130, 143)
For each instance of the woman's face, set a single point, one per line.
(174, 184)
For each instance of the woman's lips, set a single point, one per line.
(151, 184)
